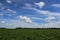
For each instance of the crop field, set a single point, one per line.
(29, 34)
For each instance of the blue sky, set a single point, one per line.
(30, 13)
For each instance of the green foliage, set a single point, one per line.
(29, 34)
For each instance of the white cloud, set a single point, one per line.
(28, 5)
(2, 21)
(9, 1)
(19, 23)
(27, 19)
(50, 18)
(52, 25)
(40, 4)
(56, 5)
(50, 15)
(47, 13)
(47, 19)
(10, 12)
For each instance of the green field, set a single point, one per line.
(29, 34)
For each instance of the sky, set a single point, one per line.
(30, 13)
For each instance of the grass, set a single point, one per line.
(29, 34)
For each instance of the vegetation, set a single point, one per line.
(29, 34)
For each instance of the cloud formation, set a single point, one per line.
(51, 16)
(21, 24)
(2, 21)
(56, 5)
(16, 24)
(27, 19)
(10, 12)
(9, 1)
(40, 4)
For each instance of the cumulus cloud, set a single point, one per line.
(9, 1)
(50, 15)
(27, 19)
(56, 5)
(29, 24)
(40, 4)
